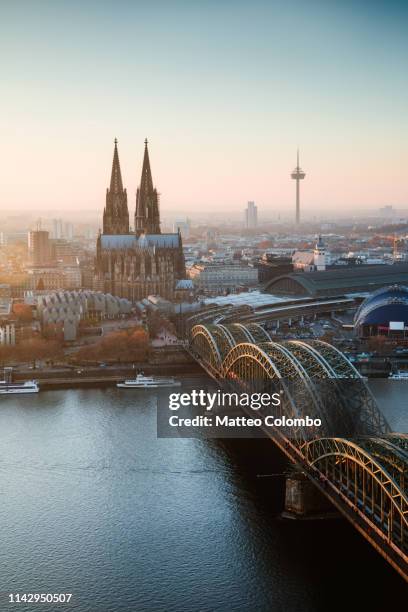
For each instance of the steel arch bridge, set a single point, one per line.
(353, 458)
(247, 356)
(211, 343)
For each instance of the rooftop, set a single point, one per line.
(131, 241)
(340, 280)
(250, 298)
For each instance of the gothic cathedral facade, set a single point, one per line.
(140, 262)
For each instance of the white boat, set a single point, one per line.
(399, 375)
(10, 388)
(148, 382)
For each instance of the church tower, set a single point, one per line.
(116, 214)
(147, 217)
(320, 255)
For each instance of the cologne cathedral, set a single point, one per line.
(136, 263)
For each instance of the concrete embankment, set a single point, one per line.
(48, 379)
(82, 375)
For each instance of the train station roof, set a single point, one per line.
(339, 281)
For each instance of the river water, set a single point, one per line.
(93, 504)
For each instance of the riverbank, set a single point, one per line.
(102, 377)
(171, 361)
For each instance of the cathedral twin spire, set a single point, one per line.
(116, 214)
(116, 185)
(147, 218)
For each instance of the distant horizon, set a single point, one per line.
(88, 217)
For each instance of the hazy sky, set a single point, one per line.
(224, 90)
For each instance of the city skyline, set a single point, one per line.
(224, 109)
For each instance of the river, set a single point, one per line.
(93, 504)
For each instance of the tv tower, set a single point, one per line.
(298, 175)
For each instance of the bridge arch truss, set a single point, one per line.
(319, 376)
(366, 468)
(371, 476)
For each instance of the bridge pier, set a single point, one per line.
(303, 500)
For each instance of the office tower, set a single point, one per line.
(251, 216)
(69, 231)
(57, 232)
(387, 212)
(39, 247)
(182, 226)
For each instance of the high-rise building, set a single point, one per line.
(69, 231)
(135, 265)
(182, 226)
(387, 212)
(39, 247)
(62, 251)
(251, 216)
(298, 175)
(90, 233)
(57, 232)
(62, 230)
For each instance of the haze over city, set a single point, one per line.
(224, 91)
